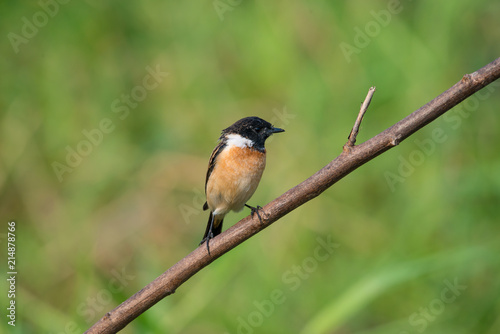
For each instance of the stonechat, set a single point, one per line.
(234, 170)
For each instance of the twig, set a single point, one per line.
(355, 129)
(341, 166)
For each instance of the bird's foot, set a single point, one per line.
(207, 240)
(255, 210)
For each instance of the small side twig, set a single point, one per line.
(355, 129)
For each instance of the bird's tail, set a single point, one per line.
(214, 227)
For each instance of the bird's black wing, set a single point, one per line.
(211, 164)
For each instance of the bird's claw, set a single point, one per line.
(255, 210)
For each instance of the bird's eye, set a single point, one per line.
(257, 129)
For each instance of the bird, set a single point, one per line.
(234, 171)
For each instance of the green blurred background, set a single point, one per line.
(415, 221)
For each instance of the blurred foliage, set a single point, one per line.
(415, 219)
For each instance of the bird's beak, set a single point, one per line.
(276, 130)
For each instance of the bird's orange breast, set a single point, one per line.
(234, 179)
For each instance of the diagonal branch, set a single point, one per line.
(345, 163)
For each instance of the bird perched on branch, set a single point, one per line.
(234, 170)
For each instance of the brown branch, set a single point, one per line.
(341, 166)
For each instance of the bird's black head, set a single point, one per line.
(254, 128)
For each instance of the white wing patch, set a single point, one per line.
(239, 141)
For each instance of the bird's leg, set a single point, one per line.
(210, 234)
(255, 210)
